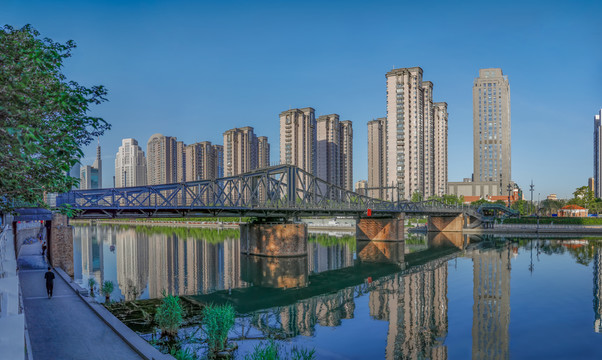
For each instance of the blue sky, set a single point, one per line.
(195, 69)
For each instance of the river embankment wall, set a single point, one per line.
(539, 229)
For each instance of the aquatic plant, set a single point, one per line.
(218, 320)
(169, 316)
(183, 354)
(107, 289)
(272, 351)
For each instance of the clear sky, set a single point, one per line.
(195, 69)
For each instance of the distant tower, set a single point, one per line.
(98, 165)
(491, 127)
(377, 157)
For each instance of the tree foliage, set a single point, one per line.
(44, 119)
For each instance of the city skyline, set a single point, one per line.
(343, 73)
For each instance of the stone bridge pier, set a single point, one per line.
(60, 243)
(448, 223)
(380, 229)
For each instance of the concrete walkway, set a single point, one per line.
(64, 327)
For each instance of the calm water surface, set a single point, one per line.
(440, 296)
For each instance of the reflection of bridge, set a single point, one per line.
(283, 191)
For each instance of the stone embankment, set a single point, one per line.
(543, 228)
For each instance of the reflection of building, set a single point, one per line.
(415, 305)
(191, 266)
(325, 258)
(301, 317)
(132, 263)
(491, 304)
(598, 290)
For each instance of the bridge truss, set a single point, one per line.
(283, 191)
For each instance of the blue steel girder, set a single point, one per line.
(283, 190)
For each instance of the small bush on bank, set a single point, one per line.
(218, 320)
(271, 351)
(169, 316)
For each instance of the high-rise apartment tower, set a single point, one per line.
(298, 138)
(411, 143)
(243, 151)
(491, 128)
(377, 156)
(165, 160)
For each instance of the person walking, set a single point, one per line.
(49, 276)
(43, 248)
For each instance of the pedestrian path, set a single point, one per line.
(64, 327)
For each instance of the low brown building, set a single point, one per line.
(572, 211)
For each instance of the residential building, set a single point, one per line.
(298, 134)
(410, 134)
(491, 128)
(218, 152)
(597, 155)
(165, 160)
(263, 151)
(328, 145)
(590, 184)
(377, 155)
(439, 168)
(200, 161)
(130, 164)
(360, 187)
(346, 152)
(91, 176)
(242, 151)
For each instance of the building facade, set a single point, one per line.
(263, 152)
(597, 155)
(411, 145)
(165, 160)
(346, 152)
(328, 148)
(240, 151)
(298, 134)
(91, 176)
(491, 127)
(130, 164)
(377, 155)
(200, 161)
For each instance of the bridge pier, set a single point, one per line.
(444, 223)
(60, 243)
(273, 239)
(380, 229)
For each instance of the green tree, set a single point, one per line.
(416, 197)
(522, 206)
(44, 117)
(453, 199)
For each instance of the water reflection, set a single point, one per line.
(404, 286)
(491, 302)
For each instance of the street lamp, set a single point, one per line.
(509, 192)
(532, 187)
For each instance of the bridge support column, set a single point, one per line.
(268, 239)
(60, 243)
(442, 223)
(381, 229)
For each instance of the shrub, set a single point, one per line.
(218, 321)
(107, 288)
(91, 284)
(169, 316)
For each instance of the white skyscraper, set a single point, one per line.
(130, 164)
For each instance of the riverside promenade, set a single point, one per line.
(64, 327)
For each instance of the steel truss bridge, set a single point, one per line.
(282, 191)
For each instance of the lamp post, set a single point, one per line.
(509, 192)
(532, 187)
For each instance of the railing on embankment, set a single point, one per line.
(12, 319)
